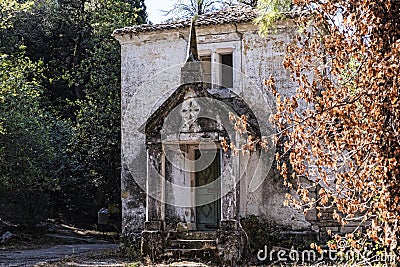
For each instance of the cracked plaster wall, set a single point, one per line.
(147, 54)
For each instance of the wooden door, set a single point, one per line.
(208, 215)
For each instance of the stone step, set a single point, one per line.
(193, 235)
(192, 244)
(210, 254)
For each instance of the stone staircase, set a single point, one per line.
(192, 245)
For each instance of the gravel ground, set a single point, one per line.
(34, 257)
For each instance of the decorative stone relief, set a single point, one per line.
(189, 112)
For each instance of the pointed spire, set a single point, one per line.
(191, 72)
(193, 55)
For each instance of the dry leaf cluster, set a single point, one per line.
(344, 135)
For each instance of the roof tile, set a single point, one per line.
(232, 14)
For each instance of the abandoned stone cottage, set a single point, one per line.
(181, 82)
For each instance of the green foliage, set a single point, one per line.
(271, 11)
(29, 157)
(60, 100)
(107, 15)
(96, 144)
(9, 9)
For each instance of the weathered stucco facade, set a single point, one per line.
(170, 114)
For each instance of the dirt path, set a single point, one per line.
(51, 254)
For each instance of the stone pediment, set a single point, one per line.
(192, 112)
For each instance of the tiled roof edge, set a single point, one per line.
(232, 14)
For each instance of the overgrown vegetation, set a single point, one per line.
(342, 125)
(60, 107)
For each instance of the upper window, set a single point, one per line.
(227, 70)
(221, 74)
